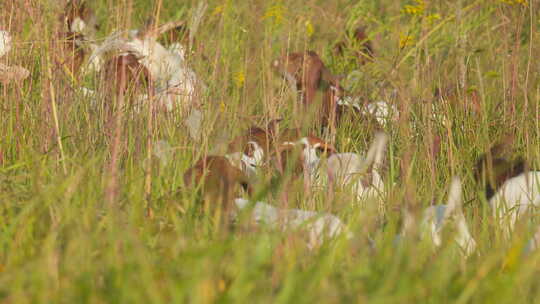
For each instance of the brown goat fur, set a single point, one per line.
(73, 54)
(305, 71)
(126, 74)
(219, 180)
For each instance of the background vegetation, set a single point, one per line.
(60, 241)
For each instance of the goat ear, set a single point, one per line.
(454, 198)
(375, 152)
(146, 28)
(81, 6)
(328, 148)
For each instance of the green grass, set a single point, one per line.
(61, 242)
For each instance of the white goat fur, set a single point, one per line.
(436, 217)
(175, 82)
(348, 169)
(514, 198)
(320, 226)
(248, 164)
(5, 43)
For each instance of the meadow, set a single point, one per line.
(93, 213)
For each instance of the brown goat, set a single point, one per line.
(333, 111)
(305, 71)
(219, 179)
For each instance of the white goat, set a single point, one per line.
(5, 43)
(348, 169)
(320, 226)
(514, 198)
(534, 242)
(435, 218)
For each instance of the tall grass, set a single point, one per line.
(61, 242)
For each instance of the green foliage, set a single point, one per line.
(60, 242)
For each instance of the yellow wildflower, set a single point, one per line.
(218, 10)
(514, 2)
(275, 12)
(309, 28)
(239, 79)
(432, 18)
(222, 106)
(416, 9)
(405, 41)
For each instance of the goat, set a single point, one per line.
(319, 226)
(124, 73)
(305, 72)
(247, 151)
(9, 74)
(218, 178)
(5, 43)
(435, 218)
(514, 198)
(511, 190)
(80, 27)
(350, 169)
(337, 103)
(174, 82)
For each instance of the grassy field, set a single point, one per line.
(62, 241)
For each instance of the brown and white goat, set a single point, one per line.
(337, 105)
(174, 82)
(248, 150)
(79, 26)
(300, 160)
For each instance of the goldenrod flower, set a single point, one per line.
(222, 106)
(432, 18)
(405, 40)
(514, 2)
(239, 79)
(218, 10)
(416, 9)
(275, 12)
(309, 28)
